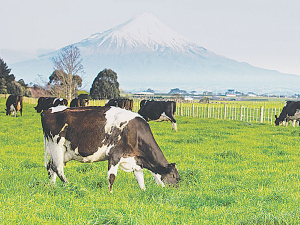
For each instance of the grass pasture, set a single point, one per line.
(232, 172)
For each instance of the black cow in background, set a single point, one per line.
(290, 111)
(121, 103)
(79, 102)
(14, 104)
(45, 103)
(159, 111)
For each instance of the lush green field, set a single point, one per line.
(231, 173)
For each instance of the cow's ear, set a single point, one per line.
(275, 116)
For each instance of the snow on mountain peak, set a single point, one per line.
(143, 32)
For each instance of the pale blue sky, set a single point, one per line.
(264, 33)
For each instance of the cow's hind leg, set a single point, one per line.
(52, 175)
(56, 154)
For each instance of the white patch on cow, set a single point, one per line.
(99, 155)
(58, 108)
(157, 178)
(128, 165)
(12, 108)
(113, 170)
(163, 117)
(115, 116)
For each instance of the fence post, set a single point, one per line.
(261, 114)
(193, 112)
(241, 116)
(208, 109)
(225, 111)
(181, 109)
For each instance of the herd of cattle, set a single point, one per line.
(111, 133)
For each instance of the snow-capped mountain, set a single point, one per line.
(147, 54)
(142, 33)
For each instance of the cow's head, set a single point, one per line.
(278, 121)
(172, 176)
(41, 102)
(7, 111)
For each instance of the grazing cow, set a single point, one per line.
(290, 111)
(79, 102)
(92, 134)
(45, 103)
(14, 104)
(158, 111)
(121, 103)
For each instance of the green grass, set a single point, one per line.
(231, 173)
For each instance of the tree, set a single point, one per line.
(105, 85)
(5, 78)
(65, 79)
(15, 88)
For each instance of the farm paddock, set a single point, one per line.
(232, 172)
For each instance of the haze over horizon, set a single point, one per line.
(146, 53)
(263, 33)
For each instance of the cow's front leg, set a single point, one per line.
(157, 178)
(174, 126)
(139, 176)
(111, 174)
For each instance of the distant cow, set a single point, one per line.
(79, 102)
(158, 111)
(14, 104)
(121, 103)
(91, 134)
(290, 111)
(48, 102)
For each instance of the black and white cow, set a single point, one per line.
(91, 134)
(158, 111)
(14, 104)
(79, 102)
(48, 102)
(122, 103)
(290, 111)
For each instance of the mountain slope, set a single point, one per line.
(147, 54)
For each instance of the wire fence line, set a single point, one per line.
(260, 112)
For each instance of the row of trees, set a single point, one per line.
(65, 80)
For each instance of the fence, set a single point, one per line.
(261, 112)
(248, 113)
